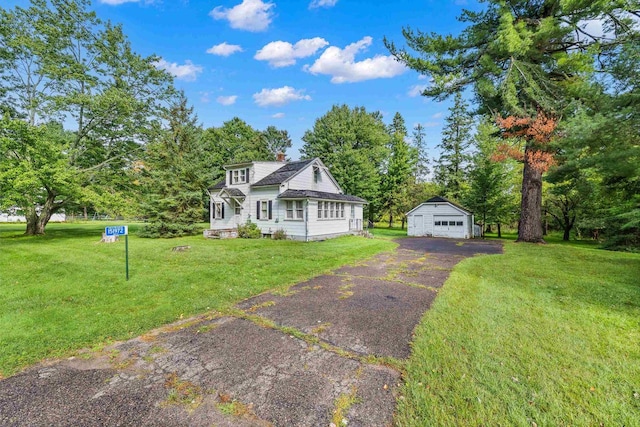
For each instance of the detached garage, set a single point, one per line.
(438, 217)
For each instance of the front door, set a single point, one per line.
(418, 225)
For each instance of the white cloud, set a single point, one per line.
(278, 115)
(224, 49)
(416, 90)
(422, 77)
(340, 64)
(282, 54)
(227, 100)
(322, 3)
(437, 115)
(431, 124)
(279, 96)
(188, 72)
(250, 15)
(204, 97)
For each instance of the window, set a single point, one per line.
(320, 210)
(353, 210)
(239, 176)
(326, 210)
(341, 210)
(289, 207)
(218, 210)
(299, 211)
(459, 223)
(238, 209)
(264, 209)
(317, 175)
(332, 208)
(437, 223)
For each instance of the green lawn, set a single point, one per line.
(545, 335)
(64, 291)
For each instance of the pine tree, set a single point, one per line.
(400, 166)
(420, 145)
(173, 176)
(451, 167)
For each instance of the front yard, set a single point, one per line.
(544, 335)
(64, 291)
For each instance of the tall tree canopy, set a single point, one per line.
(174, 176)
(451, 167)
(59, 62)
(352, 143)
(523, 58)
(400, 169)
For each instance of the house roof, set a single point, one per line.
(234, 192)
(311, 194)
(439, 199)
(219, 185)
(283, 174)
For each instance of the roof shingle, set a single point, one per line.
(283, 174)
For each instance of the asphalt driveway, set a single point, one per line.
(324, 351)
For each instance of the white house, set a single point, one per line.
(302, 198)
(438, 217)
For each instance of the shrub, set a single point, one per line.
(156, 230)
(249, 231)
(279, 235)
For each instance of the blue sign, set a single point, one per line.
(117, 230)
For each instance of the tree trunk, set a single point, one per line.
(403, 221)
(530, 226)
(390, 219)
(565, 235)
(499, 232)
(84, 211)
(36, 223)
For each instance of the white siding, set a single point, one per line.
(305, 181)
(430, 212)
(262, 169)
(322, 227)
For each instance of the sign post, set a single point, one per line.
(121, 230)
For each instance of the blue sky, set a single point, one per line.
(285, 62)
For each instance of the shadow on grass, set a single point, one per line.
(56, 231)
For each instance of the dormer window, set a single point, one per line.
(239, 176)
(317, 175)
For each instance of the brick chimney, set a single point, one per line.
(280, 157)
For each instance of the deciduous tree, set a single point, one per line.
(352, 143)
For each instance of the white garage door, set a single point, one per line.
(448, 226)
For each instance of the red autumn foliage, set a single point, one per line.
(537, 131)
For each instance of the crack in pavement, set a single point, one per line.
(280, 358)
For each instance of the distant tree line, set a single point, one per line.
(542, 132)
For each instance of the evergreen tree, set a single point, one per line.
(491, 195)
(420, 145)
(451, 166)
(527, 61)
(173, 176)
(400, 166)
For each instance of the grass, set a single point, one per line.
(542, 335)
(388, 233)
(63, 291)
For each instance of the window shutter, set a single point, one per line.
(270, 215)
(258, 209)
(246, 175)
(230, 181)
(223, 210)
